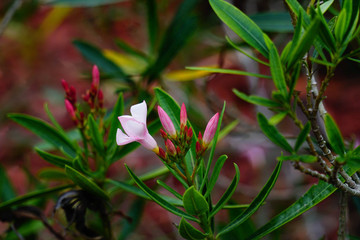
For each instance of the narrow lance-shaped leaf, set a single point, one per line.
(85, 183)
(215, 174)
(53, 159)
(95, 55)
(32, 195)
(302, 136)
(228, 193)
(156, 198)
(117, 111)
(255, 204)
(204, 180)
(273, 134)
(257, 100)
(188, 231)
(228, 71)
(298, 51)
(334, 135)
(241, 24)
(7, 190)
(96, 138)
(276, 68)
(46, 132)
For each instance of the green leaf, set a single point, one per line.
(334, 135)
(81, 3)
(215, 174)
(325, 6)
(273, 134)
(241, 24)
(117, 111)
(276, 68)
(194, 203)
(255, 204)
(354, 59)
(7, 189)
(47, 132)
(302, 136)
(188, 231)
(212, 151)
(96, 138)
(85, 183)
(228, 71)
(53, 174)
(228, 193)
(324, 32)
(277, 118)
(257, 100)
(245, 53)
(130, 50)
(315, 195)
(279, 22)
(301, 158)
(182, 26)
(306, 41)
(54, 159)
(170, 189)
(159, 200)
(32, 195)
(95, 55)
(152, 24)
(52, 119)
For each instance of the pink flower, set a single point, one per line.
(135, 128)
(210, 129)
(166, 122)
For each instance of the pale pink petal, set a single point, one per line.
(148, 142)
(139, 112)
(122, 138)
(132, 127)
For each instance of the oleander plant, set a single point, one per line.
(95, 187)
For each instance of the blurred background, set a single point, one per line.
(45, 42)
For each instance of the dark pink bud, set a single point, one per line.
(200, 136)
(170, 147)
(163, 134)
(162, 154)
(70, 109)
(96, 77)
(198, 148)
(65, 85)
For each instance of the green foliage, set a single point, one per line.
(255, 204)
(47, 132)
(187, 231)
(242, 25)
(194, 203)
(334, 135)
(82, 3)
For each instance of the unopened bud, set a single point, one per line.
(166, 122)
(65, 85)
(163, 134)
(183, 116)
(210, 129)
(96, 77)
(198, 148)
(100, 97)
(162, 154)
(170, 147)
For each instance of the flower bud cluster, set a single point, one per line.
(177, 143)
(94, 97)
(209, 133)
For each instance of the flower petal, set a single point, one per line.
(148, 142)
(122, 138)
(132, 127)
(139, 112)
